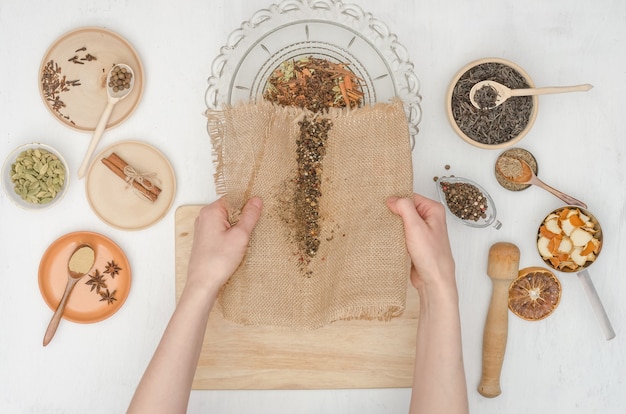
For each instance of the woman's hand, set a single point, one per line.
(426, 239)
(439, 384)
(218, 246)
(217, 250)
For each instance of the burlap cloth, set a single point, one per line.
(361, 268)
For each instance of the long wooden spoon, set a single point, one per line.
(80, 263)
(504, 93)
(502, 268)
(113, 97)
(528, 176)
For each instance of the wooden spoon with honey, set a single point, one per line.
(518, 171)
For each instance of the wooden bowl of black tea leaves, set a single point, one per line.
(494, 128)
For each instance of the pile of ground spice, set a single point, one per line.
(511, 168)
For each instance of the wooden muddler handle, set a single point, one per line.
(502, 268)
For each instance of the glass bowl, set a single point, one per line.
(37, 196)
(488, 216)
(326, 29)
(463, 80)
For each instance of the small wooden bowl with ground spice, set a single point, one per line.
(502, 164)
(495, 128)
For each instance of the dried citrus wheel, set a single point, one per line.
(535, 294)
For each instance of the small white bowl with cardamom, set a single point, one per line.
(35, 176)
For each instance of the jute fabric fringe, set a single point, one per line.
(361, 268)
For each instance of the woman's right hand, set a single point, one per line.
(426, 240)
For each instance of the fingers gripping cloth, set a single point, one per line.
(326, 246)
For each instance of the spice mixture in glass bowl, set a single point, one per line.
(337, 34)
(314, 83)
(497, 127)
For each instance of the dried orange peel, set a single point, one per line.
(569, 239)
(534, 294)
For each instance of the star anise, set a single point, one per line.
(112, 268)
(107, 296)
(97, 281)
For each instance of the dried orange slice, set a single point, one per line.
(535, 294)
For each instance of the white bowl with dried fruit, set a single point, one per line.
(569, 240)
(35, 176)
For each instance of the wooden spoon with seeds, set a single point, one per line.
(527, 176)
(114, 95)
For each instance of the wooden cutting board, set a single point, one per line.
(345, 354)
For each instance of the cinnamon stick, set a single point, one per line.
(121, 164)
(117, 166)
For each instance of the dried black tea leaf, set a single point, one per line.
(486, 97)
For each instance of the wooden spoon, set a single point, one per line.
(528, 177)
(80, 263)
(502, 268)
(505, 93)
(113, 97)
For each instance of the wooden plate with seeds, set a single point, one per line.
(72, 77)
(100, 293)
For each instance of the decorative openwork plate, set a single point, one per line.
(332, 30)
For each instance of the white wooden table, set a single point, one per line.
(559, 365)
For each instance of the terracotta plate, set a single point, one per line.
(115, 201)
(79, 105)
(85, 305)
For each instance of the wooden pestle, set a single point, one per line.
(502, 268)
